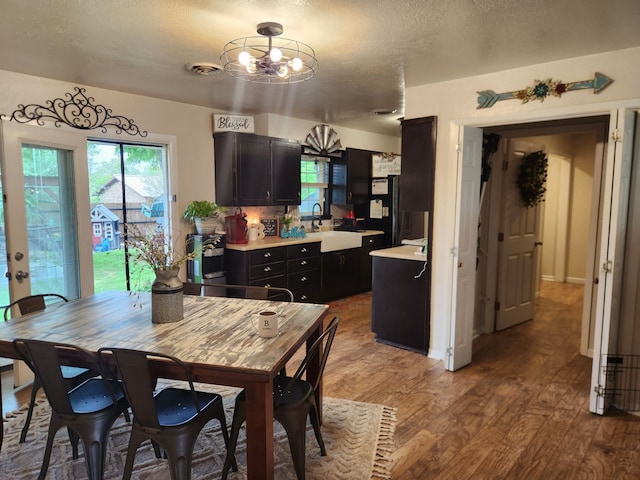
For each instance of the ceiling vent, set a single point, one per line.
(203, 68)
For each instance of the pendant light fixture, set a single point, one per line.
(269, 58)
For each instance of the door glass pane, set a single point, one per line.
(51, 220)
(128, 185)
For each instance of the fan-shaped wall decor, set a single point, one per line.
(322, 140)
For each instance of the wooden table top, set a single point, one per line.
(215, 333)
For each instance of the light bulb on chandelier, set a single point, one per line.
(269, 58)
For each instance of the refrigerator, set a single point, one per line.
(381, 212)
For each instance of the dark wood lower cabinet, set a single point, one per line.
(340, 273)
(400, 304)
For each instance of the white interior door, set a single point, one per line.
(519, 234)
(617, 180)
(465, 249)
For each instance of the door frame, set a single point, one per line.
(76, 140)
(583, 111)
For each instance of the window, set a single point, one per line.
(314, 177)
(97, 230)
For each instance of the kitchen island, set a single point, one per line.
(400, 298)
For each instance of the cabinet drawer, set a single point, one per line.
(267, 270)
(267, 255)
(373, 242)
(302, 264)
(308, 295)
(303, 250)
(275, 281)
(302, 279)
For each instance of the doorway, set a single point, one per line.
(567, 246)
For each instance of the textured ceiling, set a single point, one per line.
(368, 50)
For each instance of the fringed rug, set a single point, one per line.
(358, 437)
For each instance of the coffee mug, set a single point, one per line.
(266, 323)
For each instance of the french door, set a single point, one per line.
(46, 211)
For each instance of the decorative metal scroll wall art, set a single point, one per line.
(322, 141)
(543, 89)
(77, 111)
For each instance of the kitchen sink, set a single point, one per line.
(333, 240)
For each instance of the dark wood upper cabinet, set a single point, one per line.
(350, 177)
(254, 170)
(418, 164)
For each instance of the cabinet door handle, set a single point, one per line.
(303, 250)
(267, 255)
(303, 262)
(268, 285)
(303, 279)
(267, 269)
(268, 195)
(350, 197)
(303, 297)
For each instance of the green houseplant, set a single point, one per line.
(204, 214)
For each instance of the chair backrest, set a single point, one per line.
(322, 347)
(134, 369)
(32, 303)
(46, 358)
(242, 291)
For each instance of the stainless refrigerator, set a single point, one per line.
(382, 212)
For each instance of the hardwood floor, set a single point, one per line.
(519, 411)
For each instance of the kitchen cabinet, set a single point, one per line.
(350, 177)
(304, 272)
(400, 301)
(369, 244)
(340, 273)
(418, 164)
(254, 170)
(296, 267)
(264, 267)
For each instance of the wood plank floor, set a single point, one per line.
(519, 411)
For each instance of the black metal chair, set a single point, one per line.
(73, 376)
(242, 291)
(88, 411)
(293, 402)
(171, 418)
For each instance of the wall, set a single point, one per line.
(454, 103)
(188, 127)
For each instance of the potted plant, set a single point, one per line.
(204, 214)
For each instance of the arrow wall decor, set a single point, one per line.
(543, 89)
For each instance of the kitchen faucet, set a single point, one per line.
(314, 227)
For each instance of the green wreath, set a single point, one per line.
(532, 178)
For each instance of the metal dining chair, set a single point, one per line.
(88, 411)
(243, 291)
(73, 376)
(172, 417)
(293, 401)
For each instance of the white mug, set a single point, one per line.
(253, 234)
(266, 323)
(256, 232)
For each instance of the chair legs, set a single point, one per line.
(294, 422)
(37, 385)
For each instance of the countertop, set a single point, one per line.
(404, 252)
(272, 242)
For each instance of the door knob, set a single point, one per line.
(20, 275)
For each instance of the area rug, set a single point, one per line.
(358, 438)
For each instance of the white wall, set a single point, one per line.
(454, 103)
(190, 128)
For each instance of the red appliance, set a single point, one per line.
(236, 227)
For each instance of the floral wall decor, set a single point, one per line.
(542, 89)
(532, 178)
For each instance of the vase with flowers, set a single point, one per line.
(155, 248)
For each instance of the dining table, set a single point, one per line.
(217, 339)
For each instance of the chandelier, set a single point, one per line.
(269, 59)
